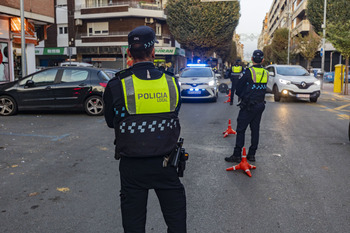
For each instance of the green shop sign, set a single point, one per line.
(165, 51)
(49, 51)
(53, 51)
(170, 51)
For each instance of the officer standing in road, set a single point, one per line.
(236, 72)
(251, 89)
(142, 105)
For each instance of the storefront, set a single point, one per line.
(48, 57)
(171, 58)
(6, 63)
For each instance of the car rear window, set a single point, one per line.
(196, 72)
(103, 76)
(292, 71)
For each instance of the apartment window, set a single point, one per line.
(158, 29)
(96, 3)
(63, 30)
(98, 28)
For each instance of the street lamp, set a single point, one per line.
(323, 52)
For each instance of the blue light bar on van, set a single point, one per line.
(197, 65)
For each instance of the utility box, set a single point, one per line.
(339, 78)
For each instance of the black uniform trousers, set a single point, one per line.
(234, 81)
(248, 116)
(138, 175)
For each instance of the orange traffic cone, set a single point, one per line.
(229, 130)
(229, 94)
(244, 165)
(229, 100)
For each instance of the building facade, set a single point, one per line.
(37, 20)
(95, 31)
(292, 14)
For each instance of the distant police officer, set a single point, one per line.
(236, 72)
(251, 89)
(142, 105)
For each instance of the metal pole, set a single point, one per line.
(323, 40)
(123, 53)
(289, 29)
(23, 41)
(331, 67)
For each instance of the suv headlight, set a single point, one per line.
(283, 81)
(211, 83)
(318, 82)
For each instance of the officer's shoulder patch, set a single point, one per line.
(123, 74)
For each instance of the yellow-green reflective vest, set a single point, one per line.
(259, 75)
(150, 96)
(237, 69)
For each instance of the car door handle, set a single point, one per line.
(48, 88)
(82, 85)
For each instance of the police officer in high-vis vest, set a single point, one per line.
(142, 105)
(251, 89)
(236, 72)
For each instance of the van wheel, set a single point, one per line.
(94, 106)
(276, 94)
(8, 106)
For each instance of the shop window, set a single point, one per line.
(4, 63)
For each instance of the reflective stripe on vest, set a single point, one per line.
(237, 69)
(259, 75)
(150, 96)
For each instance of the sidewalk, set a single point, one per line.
(328, 89)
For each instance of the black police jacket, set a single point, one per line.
(116, 115)
(246, 93)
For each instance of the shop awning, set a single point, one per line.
(29, 40)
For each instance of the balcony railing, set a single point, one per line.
(115, 34)
(303, 26)
(132, 4)
(300, 8)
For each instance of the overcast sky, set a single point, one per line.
(252, 16)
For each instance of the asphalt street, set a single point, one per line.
(58, 174)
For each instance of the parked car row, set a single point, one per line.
(63, 87)
(329, 77)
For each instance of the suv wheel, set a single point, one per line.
(94, 106)
(276, 94)
(8, 106)
(313, 99)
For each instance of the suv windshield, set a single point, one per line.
(292, 71)
(196, 72)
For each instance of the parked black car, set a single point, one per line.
(56, 88)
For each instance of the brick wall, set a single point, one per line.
(42, 7)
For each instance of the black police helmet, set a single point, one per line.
(258, 56)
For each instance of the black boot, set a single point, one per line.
(251, 158)
(232, 159)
